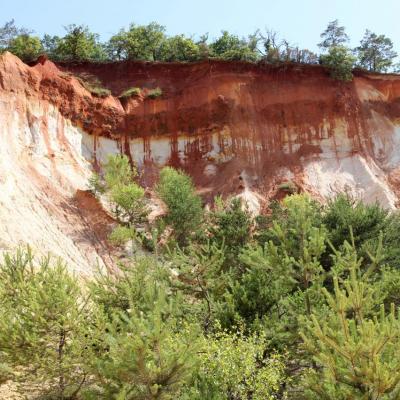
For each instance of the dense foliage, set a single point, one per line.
(298, 303)
(151, 43)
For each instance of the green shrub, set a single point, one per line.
(154, 93)
(234, 366)
(230, 227)
(289, 187)
(131, 92)
(340, 61)
(121, 234)
(126, 197)
(93, 85)
(185, 211)
(344, 214)
(151, 352)
(26, 47)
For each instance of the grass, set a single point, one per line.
(131, 92)
(154, 93)
(288, 187)
(93, 85)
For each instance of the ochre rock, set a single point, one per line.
(237, 128)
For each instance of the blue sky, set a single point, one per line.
(300, 21)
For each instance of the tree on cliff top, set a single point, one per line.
(26, 47)
(8, 32)
(375, 52)
(340, 61)
(333, 36)
(231, 47)
(139, 42)
(79, 44)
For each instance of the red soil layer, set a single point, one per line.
(276, 106)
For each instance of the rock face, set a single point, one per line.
(237, 128)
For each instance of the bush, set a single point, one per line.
(340, 61)
(185, 211)
(344, 214)
(154, 93)
(126, 197)
(26, 47)
(131, 92)
(289, 187)
(230, 227)
(234, 366)
(93, 85)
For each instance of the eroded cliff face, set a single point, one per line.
(237, 128)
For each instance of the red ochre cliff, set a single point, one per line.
(237, 128)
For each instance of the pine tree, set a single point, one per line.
(149, 350)
(126, 197)
(355, 342)
(185, 211)
(201, 276)
(45, 325)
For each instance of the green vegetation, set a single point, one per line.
(299, 303)
(338, 58)
(340, 61)
(46, 325)
(26, 47)
(185, 212)
(93, 85)
(131, 92)
(288, 187)
(375, 52)
(126, 198)
(79, 44)
(154, 93)
(333, 36)
(151, 43)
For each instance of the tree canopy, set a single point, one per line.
(152, 43)
(375, 52)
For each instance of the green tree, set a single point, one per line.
(8, 32)
(354, 342)
(139, 42)
(201, 276)
(333, 36)
(340, 62)
(375, 52)
(179, 48)
(51, 45)
(26, 47)
(230, 225)
(131, 203)
(146, 358)
(390, 228)
(149, 349)
(118, 171)
(138, 282)
(344, 215)
(231, 47)
(46, 325)
(267, 278)
(185, 212)
(126, 197)
(79, 44)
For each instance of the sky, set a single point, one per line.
(299, 21)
